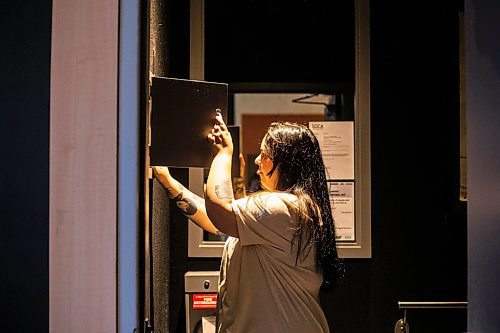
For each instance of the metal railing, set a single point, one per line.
(402, 325)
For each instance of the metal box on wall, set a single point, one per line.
(201, 301)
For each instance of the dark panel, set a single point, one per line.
(279, 41)
(419, 227)
(347, 305)
(183, 113)
(177, 38)
(168, 37)
(24, 167)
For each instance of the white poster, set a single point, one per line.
(208, 324)
(336, 139)
(342, 202)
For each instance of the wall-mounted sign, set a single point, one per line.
(336, 139)
(342, 202)
(204, 301)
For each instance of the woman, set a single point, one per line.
(282, 239)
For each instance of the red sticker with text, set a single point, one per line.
(204, 301)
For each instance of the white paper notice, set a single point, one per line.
(342, 202)
(336, 139)
(208, 324)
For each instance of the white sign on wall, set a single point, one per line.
(336, 139)
(342, 203)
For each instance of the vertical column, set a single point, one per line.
(83, 166)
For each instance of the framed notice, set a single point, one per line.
(336, 139)
(342, 202)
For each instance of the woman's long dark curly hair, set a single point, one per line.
(296, 155)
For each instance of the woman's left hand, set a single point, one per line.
(219, 135)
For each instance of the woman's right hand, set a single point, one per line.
(220, 137)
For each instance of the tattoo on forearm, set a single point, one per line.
(169, 191)
(224, 190)
(178, 197)
(186, 205)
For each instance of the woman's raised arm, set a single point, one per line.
(219, 185)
